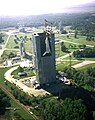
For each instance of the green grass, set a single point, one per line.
(88, 87)
(7, 52)
(68, 28)
(28, 46)
(28, 71)
(28, 43)
(92, 59)
(26, 34)
(80, 39)
(59, 52)
(11, 44)
(94, 115)
(24, 114)
(63, 64)
(5, 38)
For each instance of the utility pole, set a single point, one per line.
(70, 64)
(70, 60)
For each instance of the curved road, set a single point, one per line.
(22, 86)
(86, 62)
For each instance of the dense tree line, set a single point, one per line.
(68, 109)
(82, 78)
(75, 103)
(4, 102)
(85, 24)
(1, 37)
(49, 108)
(85, 53)
(79, 21)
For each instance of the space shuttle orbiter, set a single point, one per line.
(47, 47)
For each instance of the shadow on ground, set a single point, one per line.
(63, 91)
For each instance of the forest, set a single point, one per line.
(85, 53)
(83, 22)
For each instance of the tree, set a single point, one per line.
(1, 37)
(76, 33)
(67, 36)
(25, 37)
(77, 110)
(63, 47)
(63, 32)
(67, 109)
(11, 55)
(82, 46)
(20, 69)
(91, 71)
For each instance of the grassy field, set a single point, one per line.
(63, 64)
(58, 51)
(7, 52)
(24, 114)
(80, 39)
(28, 46)
(5, 38)
(28, 71)
(12, 45)
(68, 28)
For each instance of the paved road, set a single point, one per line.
(22, 86)
(7, 40)
(83, 64)
(67, 55)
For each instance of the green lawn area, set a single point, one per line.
(28, 71)
(59, 52)
(80, 39)
(28, 43)
(68, 28)
(29, 35)
(24, 114)
(63, 64)
(28, 46)
(11, 44)
(5, 38)
(7, 52)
